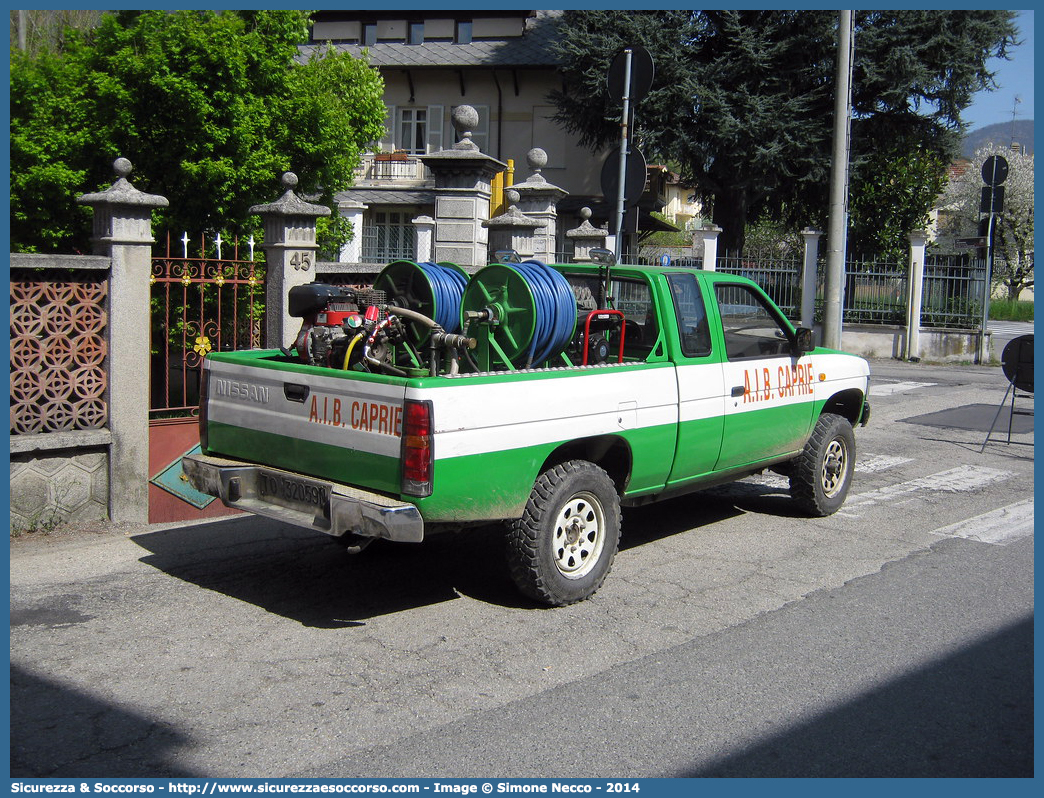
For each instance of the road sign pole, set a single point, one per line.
(994, 173)
(987, 293)
(624, 135)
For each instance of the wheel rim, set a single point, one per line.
(835, 467)
(579, 536)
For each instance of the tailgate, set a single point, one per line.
(342, 426)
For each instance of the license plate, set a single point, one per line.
(293, 492)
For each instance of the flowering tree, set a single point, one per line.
(1013, 229)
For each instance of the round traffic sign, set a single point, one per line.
(634, 177)
(642, 73)
(1017, 362)
(995, 170)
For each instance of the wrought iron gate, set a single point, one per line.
(200, 303)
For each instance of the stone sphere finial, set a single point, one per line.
(537, 159)
(289, 180)
(465, 119)
(122, 167)
(512, 196)
(585, 213)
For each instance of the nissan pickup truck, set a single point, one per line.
(445, 401)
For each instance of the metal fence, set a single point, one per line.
(200, 304)
(875, 292)
(682, 257)
(954, 288)
(779, 277)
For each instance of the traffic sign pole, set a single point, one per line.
(994, 173)
(624, 135)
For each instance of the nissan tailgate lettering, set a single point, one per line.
(242, 391)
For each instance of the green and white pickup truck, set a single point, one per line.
(544, 397)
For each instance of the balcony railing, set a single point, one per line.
(393, 167)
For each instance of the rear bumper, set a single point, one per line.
(333, 508)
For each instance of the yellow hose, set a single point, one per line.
(351, 346)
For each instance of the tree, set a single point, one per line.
(41, 29)
(209, 107)
(743, 99)
(892, 198)
(1013, 228)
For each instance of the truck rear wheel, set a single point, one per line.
(822, 473)
(562, 548)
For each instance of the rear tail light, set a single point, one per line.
(204, 395)
(418, 456)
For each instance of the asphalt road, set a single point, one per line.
(733, 637)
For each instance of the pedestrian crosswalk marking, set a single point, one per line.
(868, 464)
(887, 389)
(876, 463)
(955, 480)
(999, 527)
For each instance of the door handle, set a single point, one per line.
(295, 393)
(739, 390)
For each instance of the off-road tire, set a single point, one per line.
(822, 474)
(561, 549)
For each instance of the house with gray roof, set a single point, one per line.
(498, 62)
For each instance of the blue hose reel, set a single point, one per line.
(431, 289)
(522, 315)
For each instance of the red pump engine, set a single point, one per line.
(332, 317)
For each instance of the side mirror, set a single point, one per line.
(606, 257)
(803, 340)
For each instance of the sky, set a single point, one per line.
(1015, 79)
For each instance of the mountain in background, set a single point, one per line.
(1000, 133)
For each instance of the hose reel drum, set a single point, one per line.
(433, 290)
(521, 315)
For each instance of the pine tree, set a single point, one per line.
(743, 99)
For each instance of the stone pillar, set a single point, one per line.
(585, 238)
(512, 230)
(290, 250)
(915, 289)
(424, 238)
(709, 233)
(810, 276)
(353, 211)
(123, 232)
(539, 200)
(463, 189)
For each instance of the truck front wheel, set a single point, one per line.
(822, 473)
(562, 548)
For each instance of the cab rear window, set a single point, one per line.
(691, 313)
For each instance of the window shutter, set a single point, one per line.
(435, 122)
(390, 134)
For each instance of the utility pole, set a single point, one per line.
(837, 230)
